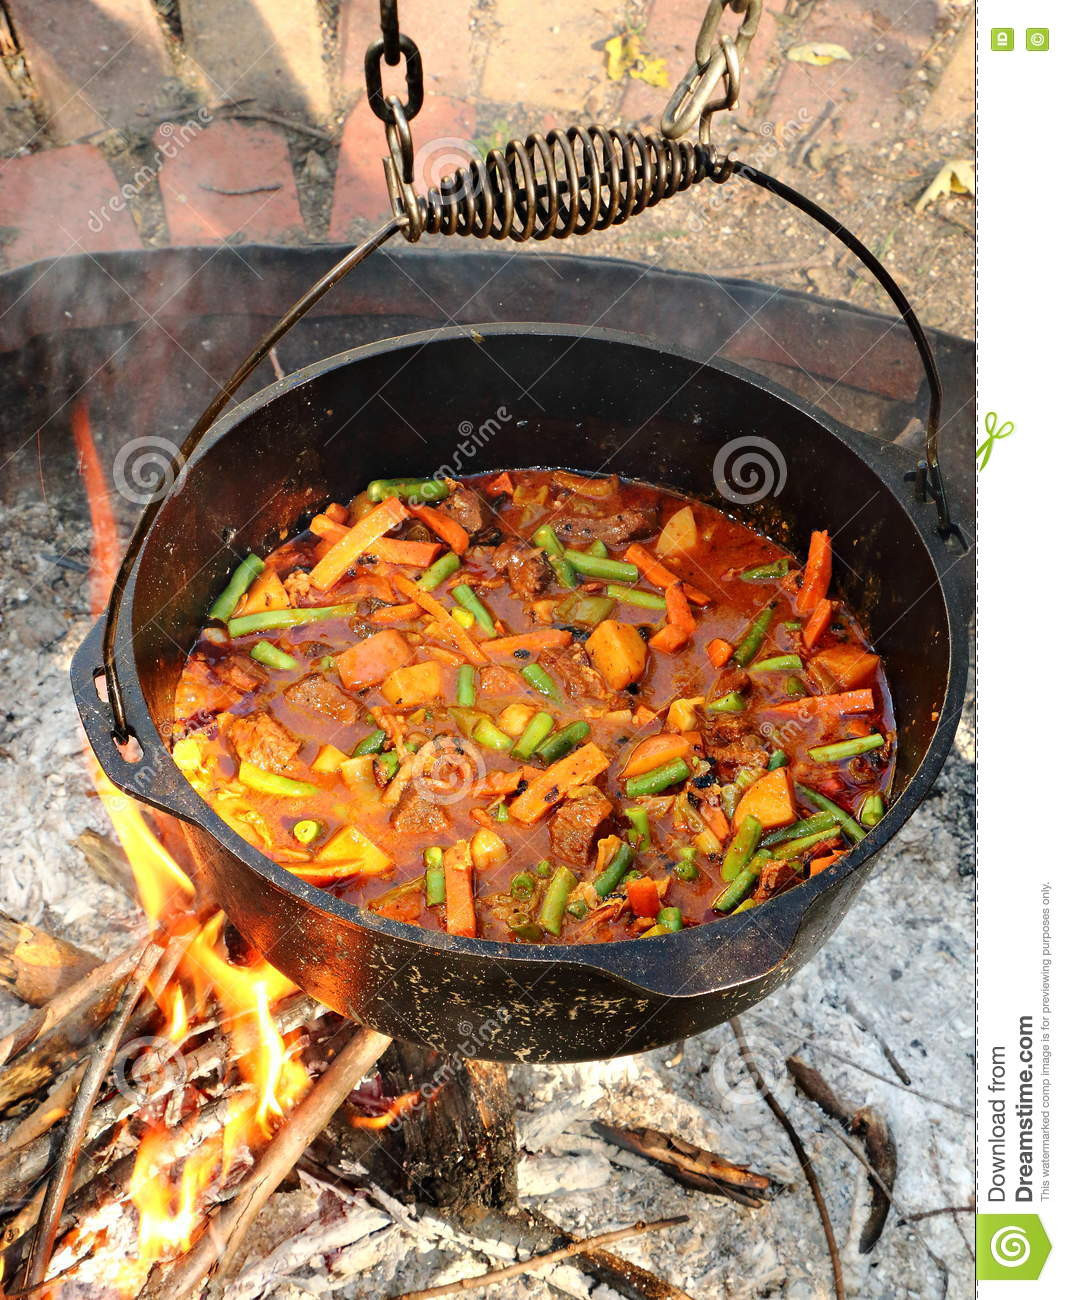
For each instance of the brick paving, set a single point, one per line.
(111, 75)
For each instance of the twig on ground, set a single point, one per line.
(260, 115)
(99, 1064)
(932, 1214)
(240, 193)
(688, 1164)
(542, 1261)
(223, 1236)
(808, 1170)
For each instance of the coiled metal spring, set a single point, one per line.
(563, 183)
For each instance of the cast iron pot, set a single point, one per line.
(529, 396)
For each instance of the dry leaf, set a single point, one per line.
(625, 57)
(818, 53)
(954, 177)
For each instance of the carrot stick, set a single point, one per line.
(396, 551)
(329, 530)
(458, 636)
(660, 575)
(460, 914)
(336, 562)
(817, 575)
(335, 511)
(396, 613)
(550, 786)
(845, 702)
(818, 865)
(718, 823)
(643, 896)
(669, 639)
(678, 611)
(547, 638)
(501, 485)
(817, 623)
(719, 651)
(444, 526)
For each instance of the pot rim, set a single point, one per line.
(779, 916)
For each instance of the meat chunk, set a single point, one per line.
(260, 739)
(776, 876)
(573, 670)
(469, 510)
(577, 825)
(239, 672)
(316, 694)
(732, 679)
(528, 573)
(616, 529)
(416, 813)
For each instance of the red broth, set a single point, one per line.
(361, 765)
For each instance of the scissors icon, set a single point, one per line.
(995, 431)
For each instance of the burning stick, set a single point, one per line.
(224, 1235)
(99, 1065)
(536, 1262)
(34, 965)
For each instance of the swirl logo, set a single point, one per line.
(146, 469)
(446, 770)
(437, 162)
(1010, 1247)
(731, 1077)
(747, 470)
(147, 1068)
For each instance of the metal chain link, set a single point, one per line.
(393, 45)
(718, 62)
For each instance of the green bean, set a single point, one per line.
(536, 732)
(792, 625)
(547, 539)
(501, 812)
(541, 680)
(271, 619)
(766, 572)
(793, 686)
(560, 744)
(610, 878)
(543, 868)
(872, 809)
(425, 489)
(466, 686)
(468, 599)
(657, 779)
(435, 891)
(326, 662)
(594, 566)
(846, 748)
(752, 639)
(488, 734)
(635, 596)
(597, 548)
(686, 869)
(734, 893)
(578, 908)
(272, 657)
(386, 765)
(778, 664)
(589, 611)
(640, 835)
(562, 884)
(241, 579)
(371, 744)
(522, 885)
(257, 778)
(742, 848)
(307, 830)
(776, 759)
(440, 569)
(783, 852)
(733, 702)
(522, 925)
(822, 821)
(669, 921)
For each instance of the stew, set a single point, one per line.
(538, 706)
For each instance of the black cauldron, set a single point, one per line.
(530, 396)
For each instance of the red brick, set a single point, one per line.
(439, 28)
(58, 202)
(93, 65)
(269, 50)
(442, 133)
(227, 156)
(545, 54)
(670, 32)
(867, 91)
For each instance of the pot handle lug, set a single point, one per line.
(148, 772)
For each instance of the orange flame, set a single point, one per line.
(395, 1109)
(170, 1203)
